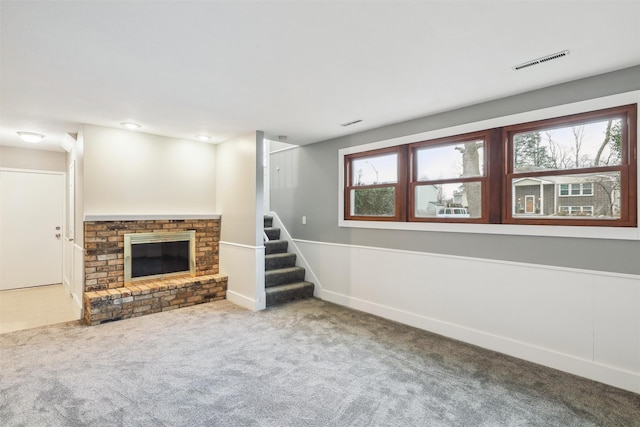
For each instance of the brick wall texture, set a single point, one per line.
(152, 296)
(106, 298)
(104, 247)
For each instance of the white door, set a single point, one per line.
(31, 221)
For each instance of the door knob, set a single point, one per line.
(57, 235)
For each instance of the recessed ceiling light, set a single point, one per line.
(30, 136)
(130, 125)
(203, 137)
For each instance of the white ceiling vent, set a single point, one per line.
(351, 123)
(541, 60)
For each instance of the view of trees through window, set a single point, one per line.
(449, 162)
(594, 146)
(569, 170)
(374, 202)
(373, 179)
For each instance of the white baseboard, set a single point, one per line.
(242, 301)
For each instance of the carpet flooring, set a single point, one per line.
(307, 363)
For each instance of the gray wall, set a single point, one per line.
(304, 181)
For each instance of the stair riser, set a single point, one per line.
(268, 221)
(273, 263)
(276, 247)
(274, 298)
(272, 278)
(272, 233)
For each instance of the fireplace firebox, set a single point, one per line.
(161, 254)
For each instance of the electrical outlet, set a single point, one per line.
(304, 220)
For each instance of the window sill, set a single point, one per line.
(583, 232)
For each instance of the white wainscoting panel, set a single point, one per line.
(77, 288)
(244, 266)
(583, 322)
(67, 264)
(616, 320)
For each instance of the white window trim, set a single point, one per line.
(569, 209)
(592, 232)
(575, 195)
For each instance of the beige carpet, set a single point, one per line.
(308, 363)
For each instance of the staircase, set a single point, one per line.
(283, 280)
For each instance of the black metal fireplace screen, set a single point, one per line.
(149, 255)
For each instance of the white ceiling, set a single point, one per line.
(295, 68)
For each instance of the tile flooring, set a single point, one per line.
(32, 307)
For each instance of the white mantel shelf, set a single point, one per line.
(145, 217)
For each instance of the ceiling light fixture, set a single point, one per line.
(30, 136)
(203, 137)
(130, 125)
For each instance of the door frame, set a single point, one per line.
(533, 204)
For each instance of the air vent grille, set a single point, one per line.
(351, 123)
(541, 60)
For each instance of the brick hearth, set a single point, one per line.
(152, 296)
(107, 298)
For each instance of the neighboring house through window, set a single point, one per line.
(572, 170)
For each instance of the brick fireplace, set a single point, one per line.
(107, 298)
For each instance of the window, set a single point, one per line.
(448, 179)
(575, 210)
(580, 168)
(375, 185)
(580, 189)
(572, 170)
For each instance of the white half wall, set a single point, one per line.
(240, 202)
(245, 266)
(73, 273)
(128, 172)
(583, 322)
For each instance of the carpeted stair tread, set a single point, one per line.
(283, 280)
(289, 292)
(282, 276)
(272, 233)
(275, 247)
(281, 260)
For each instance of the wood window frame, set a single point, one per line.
(490, 181)
(497, 194)
(400, 185)
(627, 167)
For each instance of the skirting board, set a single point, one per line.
(242, 301)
